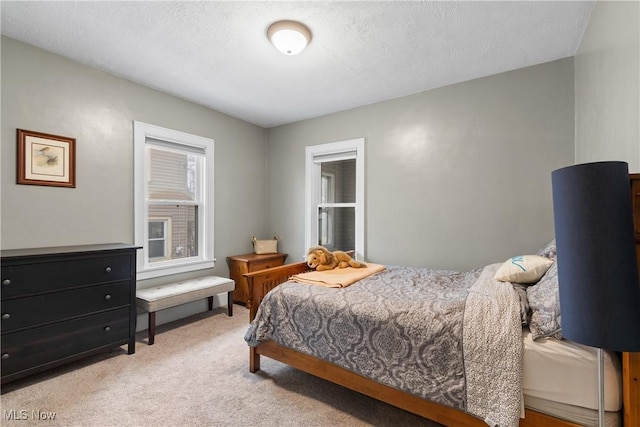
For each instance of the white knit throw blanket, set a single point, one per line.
(492, 342)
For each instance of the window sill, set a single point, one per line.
(167, 270)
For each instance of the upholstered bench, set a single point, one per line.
(164, 296)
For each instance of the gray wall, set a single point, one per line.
(48, 93)
(456, 177)
(607, 74)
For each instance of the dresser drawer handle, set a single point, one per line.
(5, 355)
(107, 297)
(6, 282)
(5, 316)
(108, 269)
(107, 328)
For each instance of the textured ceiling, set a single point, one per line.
(217, 53)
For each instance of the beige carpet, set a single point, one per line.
(196, 374)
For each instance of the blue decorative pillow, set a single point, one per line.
(544, 301)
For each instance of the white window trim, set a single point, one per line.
(205, 259)
(334, 151)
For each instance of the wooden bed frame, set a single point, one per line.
(261, 282)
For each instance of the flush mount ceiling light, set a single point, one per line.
(289, 37)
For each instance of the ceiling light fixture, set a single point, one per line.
(289, 37)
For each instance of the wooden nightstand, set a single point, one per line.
(248, 263)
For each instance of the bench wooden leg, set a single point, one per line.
(152, 327)
(229, 303)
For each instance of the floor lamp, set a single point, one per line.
(597, 265)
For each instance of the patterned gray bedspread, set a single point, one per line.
(402, 327)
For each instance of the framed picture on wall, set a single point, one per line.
(45, 159)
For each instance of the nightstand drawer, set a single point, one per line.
(262, 265)
(35, 278)
(39, 346)
(41, 309)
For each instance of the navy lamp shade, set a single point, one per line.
(596, 255)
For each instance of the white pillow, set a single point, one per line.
(523, 269)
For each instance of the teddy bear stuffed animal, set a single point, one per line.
(322, 259)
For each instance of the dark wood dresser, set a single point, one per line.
(248, 263)
(631, 361)
(635, 204)
(61, 304)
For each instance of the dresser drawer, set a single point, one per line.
(40, 346)
(29, 279)
(20, 313)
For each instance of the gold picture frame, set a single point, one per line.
(45, 159)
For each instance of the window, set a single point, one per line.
(326, 220)
(173, 201)
(335, 196)
(159, 243)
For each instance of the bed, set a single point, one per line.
(542, 383)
